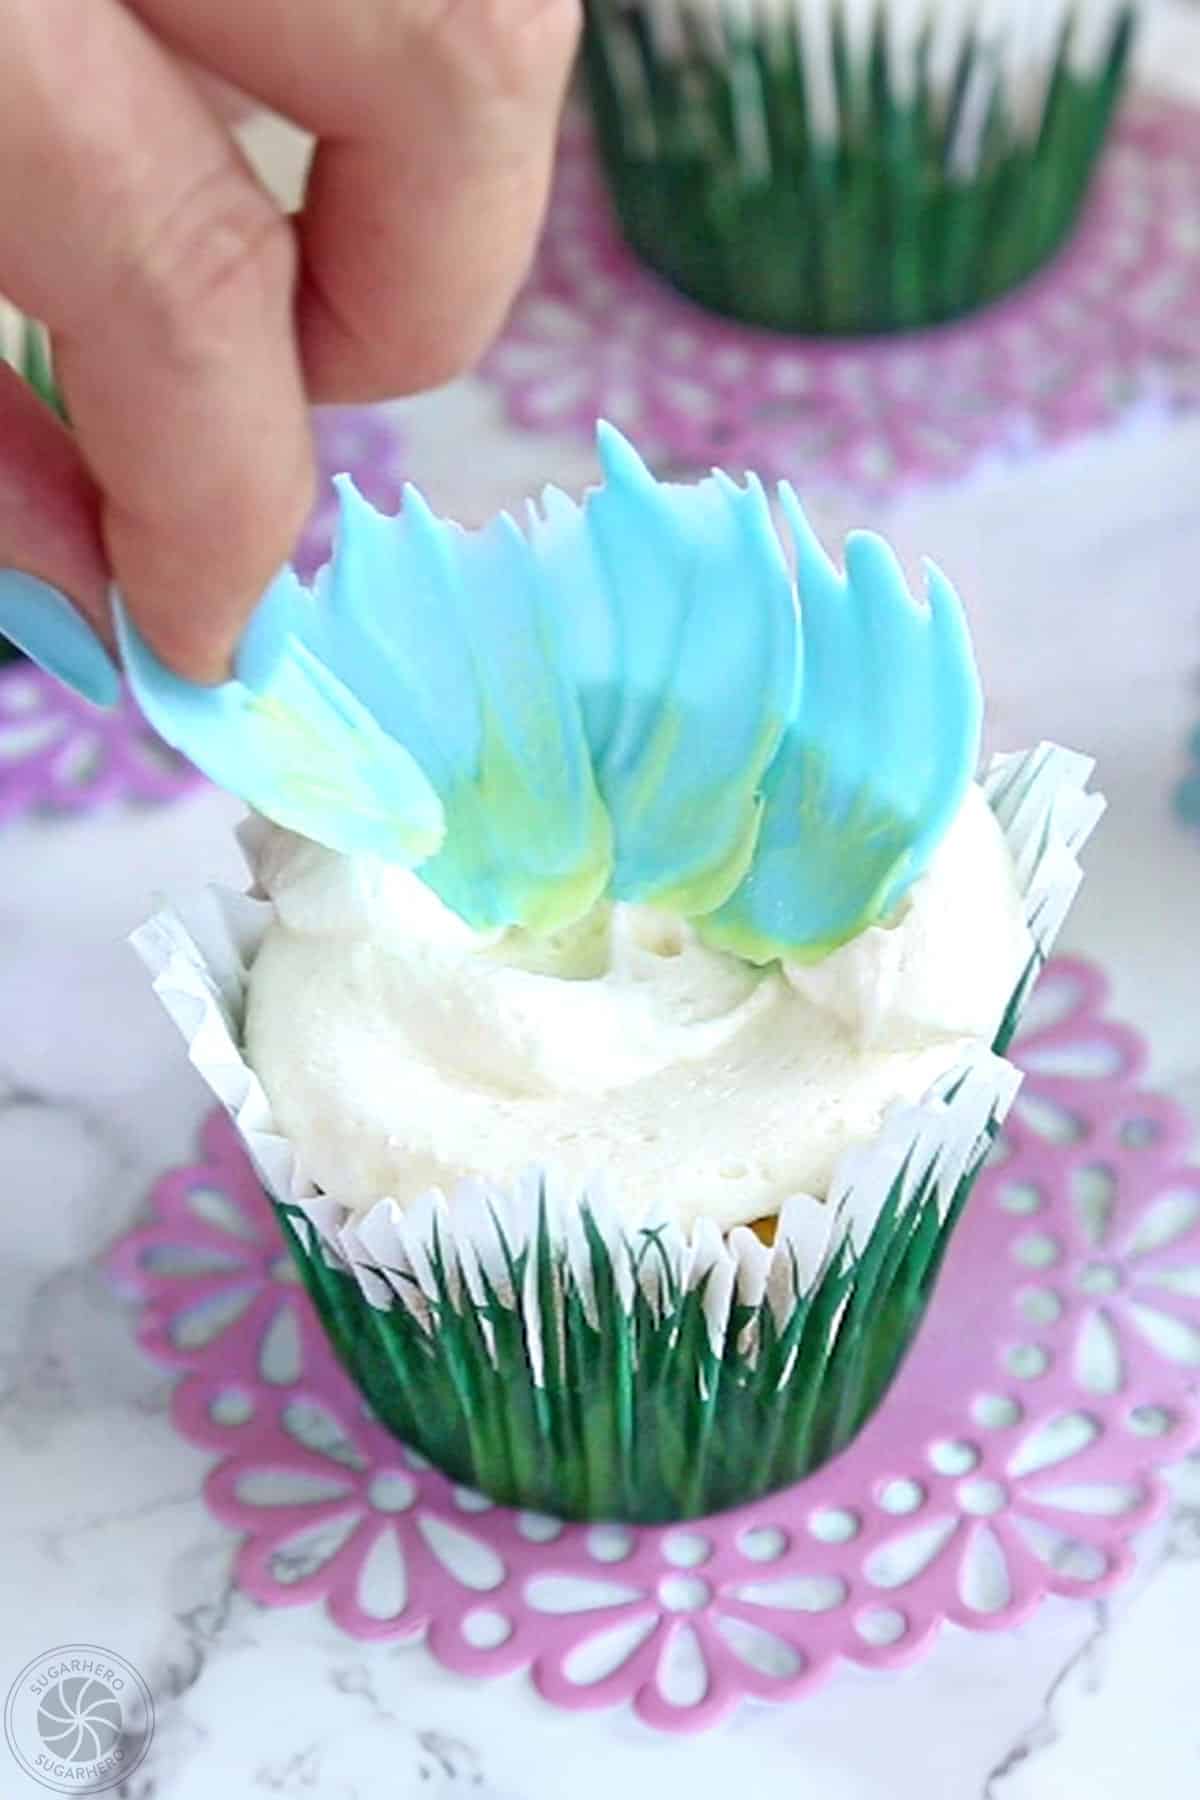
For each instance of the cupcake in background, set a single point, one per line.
(25, 346)
(852, 166)
(618, 1015)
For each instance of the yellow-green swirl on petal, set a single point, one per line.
(289, 737)
(459, 634)
(873, 766)
(680, 621)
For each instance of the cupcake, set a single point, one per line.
(618, 1013)
(851, 166)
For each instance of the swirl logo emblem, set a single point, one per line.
(79, 1719)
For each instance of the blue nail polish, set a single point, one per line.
(43, 623)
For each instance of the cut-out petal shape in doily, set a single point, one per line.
(1111, 325)
(60, 755)
(1038, 1456)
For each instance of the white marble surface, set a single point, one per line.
(1080, 574)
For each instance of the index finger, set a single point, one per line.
(437, 121)
(166, 276)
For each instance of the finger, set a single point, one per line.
(166, 276)
(414, 248)
(224, 100)
(50, 547)
(437, 121)
(49, 507)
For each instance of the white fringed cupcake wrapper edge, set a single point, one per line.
(1018, 46)
(199, 956)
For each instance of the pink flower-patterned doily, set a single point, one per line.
(60, 755)
(1112, 324)
(1015, 1456)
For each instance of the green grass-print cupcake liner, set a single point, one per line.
(25, 346)
(537, 1347)
(829, 168)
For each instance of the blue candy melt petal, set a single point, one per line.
(681, 625)
(956, 700)
(814, 567)
(534, 782)
(614, 700)
(388, 633)
(297, 745)
(952, 644)
(280, 615)
(876, 759)
(820, 869)
(569, 560)
(620, 461)
(452, 638)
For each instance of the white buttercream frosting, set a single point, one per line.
(402, 1051)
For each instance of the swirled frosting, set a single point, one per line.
(401, 1050)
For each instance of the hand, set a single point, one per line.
(192, 322)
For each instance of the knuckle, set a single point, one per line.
(222, 245)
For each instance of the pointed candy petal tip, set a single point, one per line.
(873, 566)
(733, 490)
(939, 589)
(619, 460)
(592, 650)
(810, 554)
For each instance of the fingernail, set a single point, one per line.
(43, 623)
